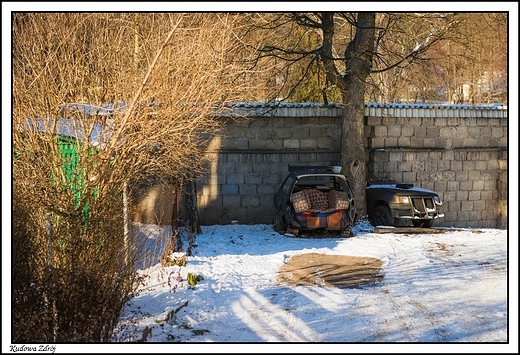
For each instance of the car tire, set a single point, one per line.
(381, 216)
(346, 233)
(424, 223)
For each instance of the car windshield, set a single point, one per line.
(326, 182)
(316, 180)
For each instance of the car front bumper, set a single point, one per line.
(418, 208)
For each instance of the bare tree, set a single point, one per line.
(475, 70)
(346, 49)
(418, 57)
(469, 51)
(154, 83)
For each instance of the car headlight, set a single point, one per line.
(437, 200)
(403, 199)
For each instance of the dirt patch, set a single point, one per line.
(341, 271)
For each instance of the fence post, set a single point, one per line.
(126, 223)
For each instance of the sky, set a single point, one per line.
(438, 290)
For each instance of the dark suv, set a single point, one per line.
(388, 203)
(314, 198)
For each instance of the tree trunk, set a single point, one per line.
(353, 157)
(193, 222)
(358, 54)
(192, 216)
(176, 236)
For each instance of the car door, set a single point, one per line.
(281, 197)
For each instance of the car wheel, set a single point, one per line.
(381, 216)
(346, 233)
(425, 223)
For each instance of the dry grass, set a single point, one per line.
(73, 259)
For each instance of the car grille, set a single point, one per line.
(423, 206)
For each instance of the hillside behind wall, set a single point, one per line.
(458, 151)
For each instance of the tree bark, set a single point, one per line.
(358, 54)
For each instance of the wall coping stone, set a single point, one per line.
(313, 109)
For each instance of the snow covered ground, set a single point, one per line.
(451, 288)
(448, 292)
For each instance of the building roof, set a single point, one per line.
(94, 110)
(68, 127)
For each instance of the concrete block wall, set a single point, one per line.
(244, 190)
(467, 181)
(459, 152)
(249, 160)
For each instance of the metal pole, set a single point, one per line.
(126, 223)
(50, 269)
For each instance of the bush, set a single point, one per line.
(70, 281)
